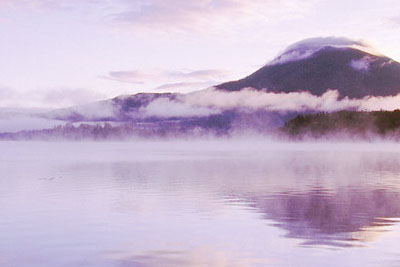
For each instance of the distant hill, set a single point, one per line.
(319, 64)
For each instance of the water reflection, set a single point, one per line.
(131, 205)
(345, 217)
(339, 199)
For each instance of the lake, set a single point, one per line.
(199, 203)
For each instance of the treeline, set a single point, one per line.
(121, 131)
(100, 131)
(353, 124)
(210, 126)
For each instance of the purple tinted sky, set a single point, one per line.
(63, 52)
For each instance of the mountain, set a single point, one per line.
(318, 64)
(350, 68)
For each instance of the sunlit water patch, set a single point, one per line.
(199, 204)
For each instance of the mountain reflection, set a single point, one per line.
(323, 217)
(338, 199)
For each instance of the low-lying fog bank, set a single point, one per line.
(212, 113)
(193, 145)
(345, 126)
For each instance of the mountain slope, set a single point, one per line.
(319, 64)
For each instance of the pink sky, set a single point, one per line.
(61, 53)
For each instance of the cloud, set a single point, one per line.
(170, 81)
(208, 74)
(179, 15)
(49, 4)
(184, 86)
(165, 108)
(395, 20)
(160, 75)
(23, 3)
(93, 111)
(294, 101)
(306, 48)
(255, 99)
(212, 101)
(135, 77)
(361, 64)
(18, 122)
(207, 15)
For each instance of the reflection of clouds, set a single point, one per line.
(202, 256)
(151, 193)
(154, 258)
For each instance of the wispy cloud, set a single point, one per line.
(165, 108)
(171, 81)
(184, 86)
(180, 15)
(135, 77)
(154, 75)
(207, 15)
(293, 101)
(211, 101)
(208, 74)
(394, 20)
(48, 98)
(50, 4)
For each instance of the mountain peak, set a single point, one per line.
(308, 47)
(316, 65)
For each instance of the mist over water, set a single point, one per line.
(199, 203)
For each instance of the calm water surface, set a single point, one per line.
(199, 204)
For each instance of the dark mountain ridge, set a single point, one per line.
(351, 71)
